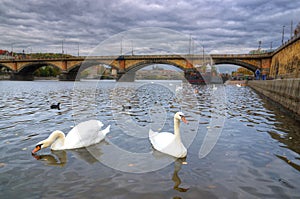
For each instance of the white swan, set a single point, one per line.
(170, 143)
(82, 135)
(214, 87)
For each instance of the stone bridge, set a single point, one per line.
(124, 67)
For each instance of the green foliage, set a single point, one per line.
(48, 55)
(47, 71)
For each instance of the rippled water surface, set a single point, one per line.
(239, 145)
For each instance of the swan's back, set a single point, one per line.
(85, 134)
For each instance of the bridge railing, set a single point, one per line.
(288, 42)
(269, 54)
(113, 57)
(168, 56)
(6, 57)
(39, 59)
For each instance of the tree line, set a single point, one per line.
(46, 71)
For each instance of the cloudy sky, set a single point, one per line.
(221, 26)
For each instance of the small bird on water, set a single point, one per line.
(55, 106)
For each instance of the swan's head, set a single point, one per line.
(49, 141)
(180, 116)
(41, 145)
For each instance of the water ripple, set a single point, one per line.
(257, 154)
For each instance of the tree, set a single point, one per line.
(47, 71)
(244, 71)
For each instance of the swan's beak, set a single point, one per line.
(36, 149)
(184, 120)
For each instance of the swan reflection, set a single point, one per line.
(59, 157)
(56, 158)
(175, 178)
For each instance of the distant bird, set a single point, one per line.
(53, 106)
(238, 85)
(124, 107)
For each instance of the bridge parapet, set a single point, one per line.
(243, 56)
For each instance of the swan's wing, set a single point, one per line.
(152, 134)
(105, 131)
(160, 140)
(84, 134)
(165, 142)
(100, 135)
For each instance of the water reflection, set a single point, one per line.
(59, 158)
(56, 158)
(266, 117)
(295, 166)
(175, 178)
(285, 130)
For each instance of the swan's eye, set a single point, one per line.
(39, 146)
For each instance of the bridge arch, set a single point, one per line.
(137, 66)
(73, 71)
(238, 63)
(191, 74)
(5, 66)
(87, 64)
(31, 67)
(25, 72)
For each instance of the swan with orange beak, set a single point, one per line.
(82, 135)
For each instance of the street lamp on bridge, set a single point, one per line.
(62, 47)
(282, 34)
(271, 45)
(78, 49)
(121, 46)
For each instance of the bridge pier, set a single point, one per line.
(126, 77)
(193, 76)
(21, 77)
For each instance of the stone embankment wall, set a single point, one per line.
(286, 60)
(285, 92)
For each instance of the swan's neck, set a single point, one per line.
(177, 128)
(57, 138)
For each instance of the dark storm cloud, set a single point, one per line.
(221, 26)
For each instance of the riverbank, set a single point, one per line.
(285, 92)
(235, 82)
(46, 78)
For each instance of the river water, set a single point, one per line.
(239, 144)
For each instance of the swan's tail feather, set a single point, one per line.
(100, 124)
(152, 134)
(105, 131)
